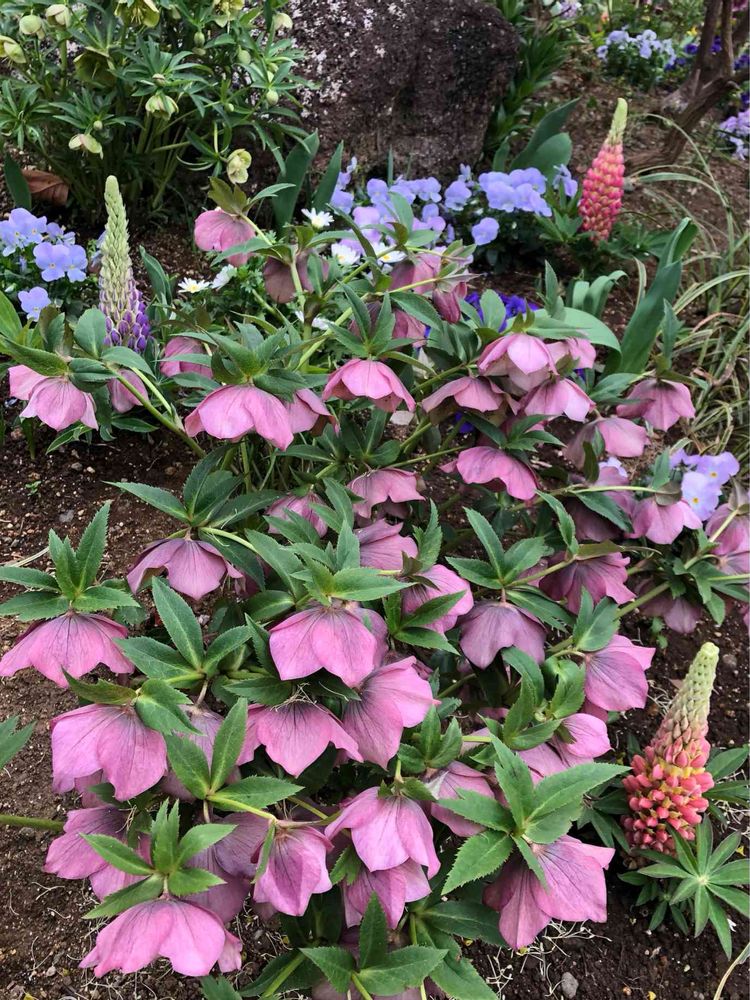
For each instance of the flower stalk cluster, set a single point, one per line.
(119, 297)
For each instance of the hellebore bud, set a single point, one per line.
(58, 15)
(31, 24)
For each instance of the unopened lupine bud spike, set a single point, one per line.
(601, 193)
(667, 784)
(119, 297)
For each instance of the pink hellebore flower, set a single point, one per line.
(661, 402)
(193, 567)
(226, 899)
(53, 399)
(542, 760)
(218, 230)
(279, 281)
(192, 938)
(183, 345)
(394, 887)
(490, 467)
(238, 852)
(616, 675)
(231, 411)
(296, 733)
(622, 438)
(406, 326)
(524, 359)
(442, 582)
(578, 350)
(732, 540)
(576, 890)
(592, 526)
(296, 869)
(207, 723)
(361, 378)
(395, 485)
(589, 739)
(382, 546)
(386, 832)
(392, 698)
(343, 639)
(495, 625)
(122, 399)
(602, 576)
(467, 393)
(558, 397)
(297, 505)
(662, 524)
(74, 642)
(415, 274)
(308, 413)
(678, 613)
(69, 856)
(110, 738)
(447, 784)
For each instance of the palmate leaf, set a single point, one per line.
(478, 856)
(400, 969)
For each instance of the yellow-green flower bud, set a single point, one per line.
(98, 125)
(10, 49)
(31, 24)
(282, 22)
(243, 57)
(272, 97)
(199, 38)
(58, 15)
(161, 105)
(87, 143)
(237, 166)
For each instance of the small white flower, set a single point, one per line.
(318, 220)
(387, 254)
(191, 286)
(223, 277)
(320, 323)
(343, 255)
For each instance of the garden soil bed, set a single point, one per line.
(43, 935)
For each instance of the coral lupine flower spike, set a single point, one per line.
(667, 784)
(601, 195)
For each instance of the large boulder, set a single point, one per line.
(418, 77)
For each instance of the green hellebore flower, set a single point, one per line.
(282, 22)
(59, 15)
(161, 105)
(237, 166)
(31, 24)
(10, 49)
(139, 12)
(87, 143)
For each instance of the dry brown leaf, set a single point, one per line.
(46, 186)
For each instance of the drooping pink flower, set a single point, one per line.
(387, 831)
(52, 398)
(226, 899)
(74, 642)
(183, 345)
(603, 184)
(122, 399)
(542, 760)
(193, 567)
(343, 639)
(662, 524)
(394, 485)
(296, 733)
(592, 526)
(588, 739)
(732, 540)
(392, 698)
(70, 856)
(279, 280)
(234, 410)
(602, 576)
(296, 869)
(442, 581)
(360, 378)
(415, 274)
(497, 471)
(678, 613)
(661, 402)
(394, 887)
(302, 505)
(207, 724)
(192, 938)
(622, 438)
(524, 359)
(446, 784)
(238, 852)
(218, 230)
(111, 739)
(578, 350)
(558, 397)
(307, 412)
(382, 546)
(616, 675)
(406, 326)
(495, 625)
(575, 890)
(467, 393)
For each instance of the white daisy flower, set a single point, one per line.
(223, 277)
(387, 254)
(318, 220)
(191, 286)
(343, 255)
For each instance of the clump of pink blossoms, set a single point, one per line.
(601, 195)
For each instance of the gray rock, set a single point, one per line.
(418, 77)
(66, 517)
(568, 985)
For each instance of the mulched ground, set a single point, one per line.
(43, 937)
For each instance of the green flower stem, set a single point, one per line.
(311, 809)
(31, 822)
(440, 375)
(422, 427)
(246, 465)
(522, 581)
(358, 983)
(164, 420)
(273, 988)
(424, 458)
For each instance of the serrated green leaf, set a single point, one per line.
(478, 856)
